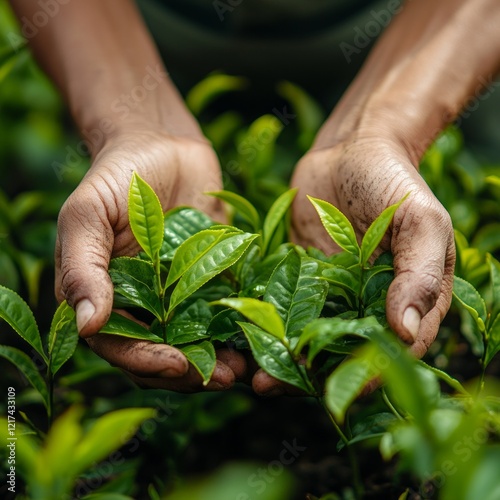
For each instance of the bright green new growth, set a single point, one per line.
(316, 323)
(196, 293)
(55, 352)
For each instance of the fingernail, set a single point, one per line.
(273, 392)
(84, 312)
(170, 372)
(411, 321)
(216, 386)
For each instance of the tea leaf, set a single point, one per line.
(376, 281)
(202, 357)
(274, 358)
(495, 285)
(337, 225)
(16, 312)
(324, 331)
(343, 278)
(192, 250)
(348, 380)
(372, 426)
(59, 447)
(493, 344)
(263, 314)
(108, 433)
(215, 84)
(125, 327)
(275, 215)
(218, 258)
(259, 160)
(376, 231)
(189, 324)
(134, 279)
(145, 216)
(296, 292)
(28, 368)
(470, 299)
(181, 223)
(63, 337)
(310, 115)
(242, 206)
(224, 325)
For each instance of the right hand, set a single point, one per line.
(93, 227)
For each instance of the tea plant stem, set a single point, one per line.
(50, 406)
(356, 477)
(161, 296)
(361, 306)
(391, 407)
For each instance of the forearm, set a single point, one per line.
(102, 58)
(433, 57)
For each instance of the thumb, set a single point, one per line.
(83, 249)
(420, 295)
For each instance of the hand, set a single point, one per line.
(362, 177)
(93, 227)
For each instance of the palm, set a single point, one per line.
(362, 180)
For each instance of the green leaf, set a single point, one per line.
(31, 270)
(181, 223)
(145, 216)
(493, 179)
(296, 292)
(16, 312)
(348, 380)
(337, 225)
(108, 433)
(134, 279)
(324, 331)
(493, 344)
(192, 250)
(120, 325)
(28, 368)
(452, 382)
(310, 115)
(215, 84)
(495, 285)
(376, 281)
(63, 337)
(343, 278)
(224, 325)
(405, 378)
(372, 426)
(275, 215)
(376, 231)
(261, 313)
(54, 472)
(274, 358)
(202, 357)
(189, 324)
(470, 299)
(218, 258)
(242, 206)
(258, 144)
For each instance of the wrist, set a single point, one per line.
(145, 101)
